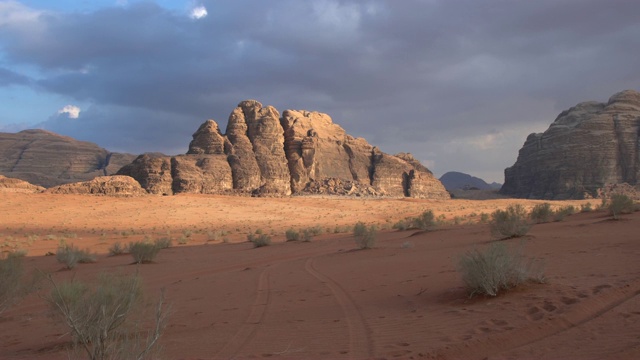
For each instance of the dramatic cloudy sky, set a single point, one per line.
(459, 83)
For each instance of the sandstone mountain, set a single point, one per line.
(586, 147)
(18, 186)
(265, 154)
(47, 159)
(102, 185)
(454, 180)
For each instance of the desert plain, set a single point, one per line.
(326, 299)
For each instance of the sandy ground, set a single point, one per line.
(324, 299)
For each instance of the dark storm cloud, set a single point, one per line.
(8, 77)
(444, 79)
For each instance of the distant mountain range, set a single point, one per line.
(454, 180)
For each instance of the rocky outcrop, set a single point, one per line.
(18, 186)
(102, 185)
(265, 154)
(586, 147)
(47, 159)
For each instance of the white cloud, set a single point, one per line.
(198, 12)
(71, 110)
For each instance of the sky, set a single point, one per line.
(458, 83)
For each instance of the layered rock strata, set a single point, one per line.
(47, 159)
(587, 146)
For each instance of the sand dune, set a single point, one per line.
(324, 299)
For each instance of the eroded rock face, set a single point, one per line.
(18, 186)
(47, 159)
(152, 171)
(102, 185)
(264, 154)
(267, 136)
(586, 147)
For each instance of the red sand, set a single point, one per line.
(324, 299)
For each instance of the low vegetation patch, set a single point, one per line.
(497, 268)
(105, 319)
(70, 256)
(365, 236)
(541, 213)
(259, 239)
(12, 285)
(117, 249)
(509, 223)
(563, 212)
(620, 204)
(143, 252)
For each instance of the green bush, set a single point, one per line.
(496, 269)
(509, 223)
(292, 235)
(541, 213)
(259, 240)
(425, 221)
(365, 236)
(105, 320)
(70, 256)
(143, 252)
(620, 204)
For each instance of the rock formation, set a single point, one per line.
(102, 185)
(47, 159)
(454, 180)
(265, 154)
(586, 147)
(18, 186)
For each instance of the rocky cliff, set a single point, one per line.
(266, 154)
(586, 147)
(47, 159)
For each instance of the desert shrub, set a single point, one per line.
(620, 204)
(70, 256)
(12, 287)
(425, 221)
(292, 235)
(496, 269)
(586, 207)
(308, 234)
(143, 252)
(509, 223)
(163, 243)
(541, 213)
(484, 218)
(116, 249)
(105, 319)
(563, 212)
(401, 225)
(314, 230)
(259, 240)
(365, 236)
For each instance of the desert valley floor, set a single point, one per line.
(324, 299)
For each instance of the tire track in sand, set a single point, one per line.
(250, 326)
(587, 310)
(360, 344)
